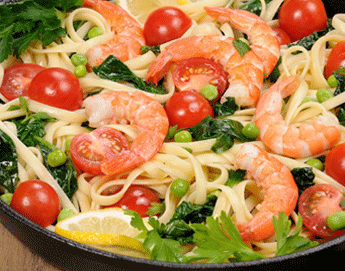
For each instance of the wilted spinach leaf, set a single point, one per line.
(304, 178)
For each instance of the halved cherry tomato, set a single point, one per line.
(187, 108)
(137, 198)
(335, 59)
(88, 150)
(37, 201)
(57, 87)
(194, 73)
(17, 79)
(300, 18)
(335, 163)
(316, 204)
(282, 36)
(165, 24)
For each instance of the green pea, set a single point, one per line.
(78, 59)
(307, 100)
(80, 71)
(68, 144)
(251, 131)
(324, 94)
(336, 221)
(94, 32)
(183, 137)
(179, 187)
(65, 213)
(56, 158)
(7, 197)
(316, 163)
(332, 81)
(210, 92)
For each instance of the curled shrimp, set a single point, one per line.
(305, 140)
(128, 37)
(138, 110)
(246, 74)
(277, 185)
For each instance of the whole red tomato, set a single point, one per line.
(187, 108)
(137, 198)
(57, 87)
(300, 18)
(165, 24)
(37, 201)
(335, 163)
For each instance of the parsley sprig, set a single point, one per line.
(24, 22)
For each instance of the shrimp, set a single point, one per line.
(263, 39)
(128, 39)
(277, 186)
(246, 74)
(308, 139)
(136, 109)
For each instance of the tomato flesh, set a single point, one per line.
(316, 204)
(17, 79)
(37, 201)
(165, 24)
(57, 87)
(194, 73)
(88, 150)
(335, 59)
(187, 108)
(335, 163)
(137, 198)
(300, 18)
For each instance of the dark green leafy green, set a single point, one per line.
(65, 175)
(8, 163)
(254, 6)
(241, 47)
(235, 177)
(115, 70)
(27, 21)
(304, 178)
(224, 130)
(154, 49)
(228, 108)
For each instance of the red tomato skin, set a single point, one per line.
(282, 36)
(335, 163)
(57, 87)
(137, 198)
(89, 149)
(17, 79)
(194, 73)
(165, 24)
(335, 59)
(300, 18)
(37, 201)
(187, 108)
(316, 204)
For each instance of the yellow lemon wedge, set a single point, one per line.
(108, 229)
(141, 9)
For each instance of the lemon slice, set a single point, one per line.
(108, 229)
(141, 9)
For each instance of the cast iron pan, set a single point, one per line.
(68, 255)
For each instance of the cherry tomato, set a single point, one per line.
(300, 18)
(88, 150)
(194, 73)
(137, 198)
(335, 163)
(37, 201)
(282, 36)
(57, 87)
(187, 108)
(335, 59)
(17, 79)
(316, 204)
(165, 24)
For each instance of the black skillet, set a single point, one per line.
(68, 255)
